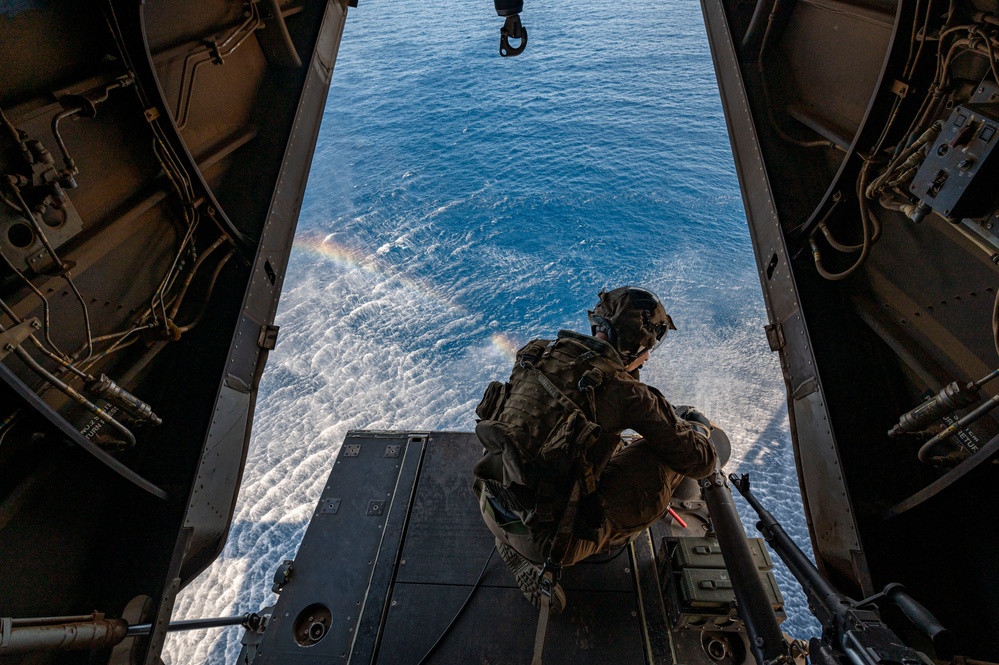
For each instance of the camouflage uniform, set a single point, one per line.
(634, 483)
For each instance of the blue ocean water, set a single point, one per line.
(461, 204)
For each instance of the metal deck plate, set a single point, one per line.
(344, 567)
(498, 626)
(396, 544)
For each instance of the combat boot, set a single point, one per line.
(526, 574)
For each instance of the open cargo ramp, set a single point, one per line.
(396, 544)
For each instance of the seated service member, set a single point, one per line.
(555, 483)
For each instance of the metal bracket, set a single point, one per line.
(352, 450)
(6, 627)
(11, 339)
(393, 450)
(268, 337)
(775, 336)
(376, 508)
(283, 575)
(330, 507)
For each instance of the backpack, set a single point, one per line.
(537, 441)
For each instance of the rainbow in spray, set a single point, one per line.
(350, 258)
(505, 345)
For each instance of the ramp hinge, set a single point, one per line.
(775, 336)
(268, 337)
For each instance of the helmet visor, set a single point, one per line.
(650, 304)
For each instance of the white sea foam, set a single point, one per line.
(337, 368)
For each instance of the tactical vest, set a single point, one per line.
(539, 431)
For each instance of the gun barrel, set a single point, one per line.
(808, 576)
(849, 628)
(755, 609)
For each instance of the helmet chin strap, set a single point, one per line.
(604, 330)
(637, 362)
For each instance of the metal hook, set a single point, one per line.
(512, 29)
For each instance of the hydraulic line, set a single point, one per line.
(22, 207)
(208, 294)
(186, 91)
(752, 36)
(174, 173)
(822, 143)
(929, 106)
(912, 39)
(70, 392)
(121, 337)
(86, 314)
(866, 218)
(165, 138)
(102, 385)
(907, 72)
(121, 82)
(9, 126)
(910, 65)
(46, 317)
(824, 228)
(865, 207)
(903, 157)
(838, 246)
(38, 345)
(167, 282)
(175, 307)
(985, 379)
(63, 268)
(9, 203)
(992, 58)
(927, 448)
(995, 322)
(118, 346)
(183, 188)
(59, 117)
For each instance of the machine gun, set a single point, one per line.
(851, 631)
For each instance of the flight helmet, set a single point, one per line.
(633, 319)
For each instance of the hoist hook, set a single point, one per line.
(512, 29)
